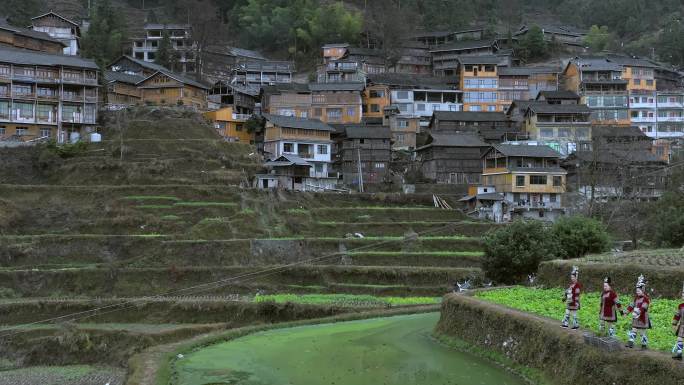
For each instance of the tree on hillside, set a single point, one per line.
(599, 38)
(389, 25)
(670, 45)
(166, 55)
(532, 45)
(104, 40)
(20, 12)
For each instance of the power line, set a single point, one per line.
(206, 286)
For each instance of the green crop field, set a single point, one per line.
(347, 300)
(656, 257)
(547, 303)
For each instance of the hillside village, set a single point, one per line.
(443, 117)
(176, 193)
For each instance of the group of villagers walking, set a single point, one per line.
(610, 307)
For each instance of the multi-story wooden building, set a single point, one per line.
(452, 157)
(524, 83)
(564, 126)
(415, 58)
(121, 90)
(132, 66)
(492, 127)
(17, 37)
(367, 148)
(530, 178)
(242, 100)
(46, 95)
(570, 37)
(403, 128)
(445, 58)
(260, 73)
(433, 38)
(218, 61)
(601, 87)
(230, 125)
(145, 48)
(479, 80)
(59, 28)
(336, 102)
(292, 99)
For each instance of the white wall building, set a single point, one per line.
(146, 48)
(59, 28)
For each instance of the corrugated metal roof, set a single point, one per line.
(470, 116)
(409, 80)
(295, 122)
(560, 94)
(357, 131)
(56, 15)
(545, 108)
(22, 56)
(122, 77)
(454, 139)
(479, 59)
(287, 160)
(463, 45)
(336, 86)
(528, 151)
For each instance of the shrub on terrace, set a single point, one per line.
(514, 251)
(577, 236)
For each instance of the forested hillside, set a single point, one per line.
(295, 29)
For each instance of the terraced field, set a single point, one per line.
(102, 257)
(663, 269)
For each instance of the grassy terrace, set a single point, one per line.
(547, 303)
(348, 300)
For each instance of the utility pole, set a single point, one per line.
(358, 152)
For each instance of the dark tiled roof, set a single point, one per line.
(22, 56)
(631, 61)
(122, 77)
(479, 59)
(470, 116)
(356, 131)
(27, 32)
(56, 15)
(544, 108)
(294, 122)
(560, 94)
(145, 64)
(463, 45)
(528, 151)
(455, 139)
(490, 196)
(336, 86)
(617, 131)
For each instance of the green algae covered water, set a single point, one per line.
(381, 351)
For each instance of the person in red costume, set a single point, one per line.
(678, 329)
(641, 321)
(610, 305)
(572, 299)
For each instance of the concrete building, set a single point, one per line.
(530, 178)
(145, 48)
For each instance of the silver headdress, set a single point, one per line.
(575, 271)
(641, 282)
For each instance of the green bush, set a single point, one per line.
(577, 236)
(514, 251)
(668, 220)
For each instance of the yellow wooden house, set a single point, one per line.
(230, 125)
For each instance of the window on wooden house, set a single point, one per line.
(538, 179)
(519, 180)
